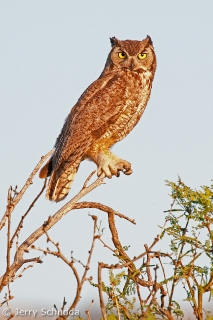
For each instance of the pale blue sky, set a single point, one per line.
(50, 51)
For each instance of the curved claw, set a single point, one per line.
(118, 174)
(113, 166)
(128, 172)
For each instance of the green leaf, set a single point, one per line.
(110, 317)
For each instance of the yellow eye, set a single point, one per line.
(122, 55)
(142, 56)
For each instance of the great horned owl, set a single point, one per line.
(104, 114)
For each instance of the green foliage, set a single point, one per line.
(111, 316)
(122, 297)
(176, 309)
(150, 316)
(194, 222)
(126, 248)
(191, 241)
(189, 228)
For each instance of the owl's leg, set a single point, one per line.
(108, 163)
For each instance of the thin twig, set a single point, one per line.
(18, 197)
(105, 245)
(116, 302)
(103, 309)
(79, 261)
(26, 213)
(164, 274)
(88, 179)
(175, 270)
(88, 310)
(148, 263)
(139, 297)
(8, 240)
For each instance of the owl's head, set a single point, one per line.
(137, 56)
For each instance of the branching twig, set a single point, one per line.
(19, 260)
(88, 310)
(20, 225)
(83, 279)
(102, 207)
(19, 195)
(88, 179)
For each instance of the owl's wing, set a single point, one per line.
(98, 107)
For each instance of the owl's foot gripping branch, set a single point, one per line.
(110, 164)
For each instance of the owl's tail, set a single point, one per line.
(60, 181)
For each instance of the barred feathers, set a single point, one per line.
(60, 181)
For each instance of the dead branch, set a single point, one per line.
(19, 257)
(102, 305)
(11, 206)
(105, 245)
(102, 207)
(88, 310)
(20, 225)
(83, 279)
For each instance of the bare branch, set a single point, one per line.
(88, 179)
(88, 310)
(102, 207)
(26, 213)
(105, 245)
(19, 260)
(19, 195)
(148, 263)
(8, 240)
(80, 283)
(100, 291)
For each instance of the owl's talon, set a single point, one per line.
(118, 174)
(112, 166)
(128, 172)
(127, 169)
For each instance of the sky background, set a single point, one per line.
(50, 51)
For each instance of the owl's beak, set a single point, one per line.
(131, 66)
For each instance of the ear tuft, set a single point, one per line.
(114, 41)
(149, 40)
